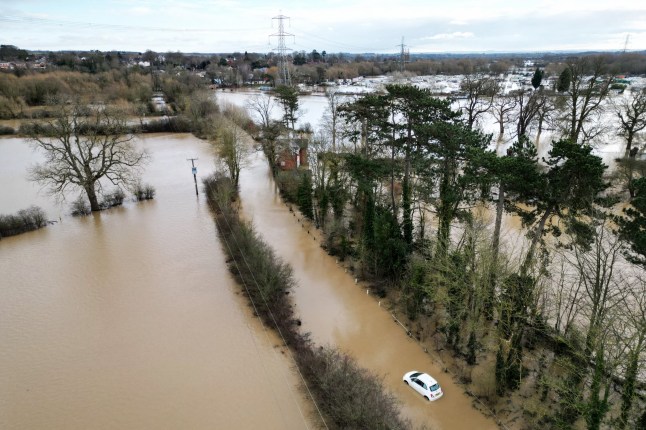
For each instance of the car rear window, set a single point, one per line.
(415, 375)
(435, 387)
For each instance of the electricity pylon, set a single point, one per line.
(283, 65)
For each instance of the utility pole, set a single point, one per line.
(626, 44)
(403, 56)
(282, 49)
(194, 170)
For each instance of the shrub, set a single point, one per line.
(25, 220)
(4, 130)
(113, 199)
(167, 125)
(80, 207)
(143, 191)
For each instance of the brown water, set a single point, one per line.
(129, 319)
(336, 311)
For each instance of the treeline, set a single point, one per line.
(238, 68)
(35, 95)
(398, 181)
(347, 396)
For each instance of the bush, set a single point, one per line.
(4, 130)
(113, 199)
(143, 191)
(25, 220)
(288, 182)
(81, 207)
(167, 125)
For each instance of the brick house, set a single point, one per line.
(292, 153)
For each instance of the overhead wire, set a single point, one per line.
(226, 242)
(85, 24)
(273, 318)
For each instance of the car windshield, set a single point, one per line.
(435, 387)
(415, 375)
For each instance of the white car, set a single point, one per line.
(424, 384)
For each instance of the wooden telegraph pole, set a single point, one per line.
(194, 170)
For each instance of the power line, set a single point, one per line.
(255, 308)
(85, 24)
(271, 314)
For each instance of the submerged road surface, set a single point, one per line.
(337, 312)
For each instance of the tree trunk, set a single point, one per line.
(91, 195)
(630, 379)
(496, 231)
(495, 249)
(538, 233)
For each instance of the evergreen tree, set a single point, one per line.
(537, 78)
(565, 79)
(632, 226)
(288, 99)
(304, 196)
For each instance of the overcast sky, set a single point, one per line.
(332, 25)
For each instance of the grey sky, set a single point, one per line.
(332, 25)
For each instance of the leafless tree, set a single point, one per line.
(84, 147)
(263, 105)
(582, 103)
(480, 92)
(632, 116)
(502, 107)
(528, 104)
(332, 120)
(233, 152)
(596, 265)
(633, 333)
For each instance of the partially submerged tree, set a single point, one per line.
(632, 117)
(588, 88)
(502, 109)
(232, 150)
(569, 186)
(83, 148)
(263, 106)
(480, 92)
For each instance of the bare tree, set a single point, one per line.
(545, 114)
(634, 336)
(528, 104)
(502, 107)
(332, 119)
(602, 289)
(84, 147)
(582, 103)
(632, 116)
(263, 105)
(480, 92)
(232, 150)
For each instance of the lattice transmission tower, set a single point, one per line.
(282, 49)
(404, 56)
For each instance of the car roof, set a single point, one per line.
(427, 379)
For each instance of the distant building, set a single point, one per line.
(293, 153)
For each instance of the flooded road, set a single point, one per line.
(129, 318)
(338, 312)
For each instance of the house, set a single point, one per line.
(292, 153)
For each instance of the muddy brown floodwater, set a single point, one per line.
(129, 319)
(338, 312)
